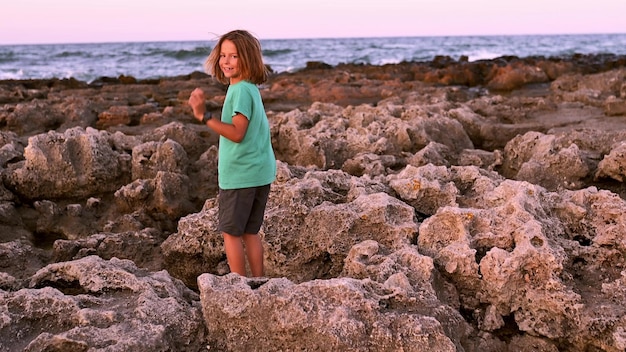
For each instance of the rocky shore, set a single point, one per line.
(423, 206)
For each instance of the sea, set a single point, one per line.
(150, 60)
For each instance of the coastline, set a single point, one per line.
(153, 60)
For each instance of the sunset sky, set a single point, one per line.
(80, 21)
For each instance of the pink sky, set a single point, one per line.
(85, 21)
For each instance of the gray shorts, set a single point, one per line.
(241, 210)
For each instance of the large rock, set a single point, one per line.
(532, 258)
(614, 164)
(77, 163)
(94, 304)
(547, 160)
(327, 315)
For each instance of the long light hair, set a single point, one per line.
(251, 66)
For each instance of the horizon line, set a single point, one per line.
(316, 38)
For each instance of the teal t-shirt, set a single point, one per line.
(251, 162)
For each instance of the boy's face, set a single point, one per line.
(229, 61)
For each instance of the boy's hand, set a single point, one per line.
(197, 101)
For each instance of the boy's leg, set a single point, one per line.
(243, 209)
(235, 255)
(251, 238)
(254, 252)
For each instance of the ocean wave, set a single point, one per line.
(277, 52)
(7, 56)
(70, 54)
(183, 54)
(17, 74)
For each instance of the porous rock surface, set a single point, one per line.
(438, 206)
